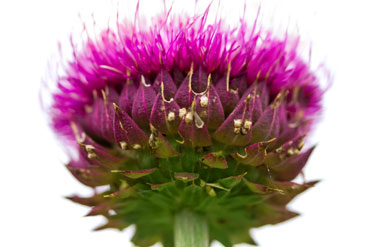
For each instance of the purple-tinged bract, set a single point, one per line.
(186, 114)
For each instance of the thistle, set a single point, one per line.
(198, 130)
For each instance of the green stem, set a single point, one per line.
(191, 230)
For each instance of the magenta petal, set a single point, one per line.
(165, 115)
(127, 133)
(143, 104)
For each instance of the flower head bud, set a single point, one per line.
(188, 115)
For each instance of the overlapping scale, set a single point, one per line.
(201, 137)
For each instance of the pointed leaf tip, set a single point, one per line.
(136, 174)
(232, 181)
(186, 176)
(160, 147)
(254, 154)
(291, 167)
(215, 160)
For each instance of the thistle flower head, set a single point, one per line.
(186, 114)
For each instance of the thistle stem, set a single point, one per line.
(191, 230)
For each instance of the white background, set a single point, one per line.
(33, 179)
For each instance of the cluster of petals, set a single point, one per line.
(178, 45)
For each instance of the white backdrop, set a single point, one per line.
(33, 179)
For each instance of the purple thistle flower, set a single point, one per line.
(187, 115)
